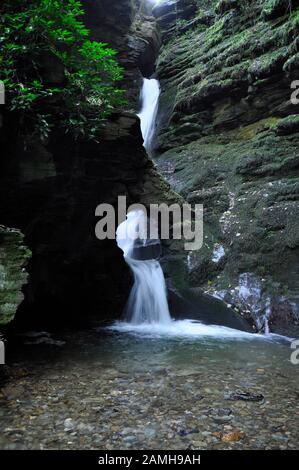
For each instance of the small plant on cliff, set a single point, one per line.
(53, 73)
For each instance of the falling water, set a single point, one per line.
(150, 99)
(147, 302)
(147, 309)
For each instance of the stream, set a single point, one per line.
(107, 390)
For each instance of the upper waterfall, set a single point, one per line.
(150, 100)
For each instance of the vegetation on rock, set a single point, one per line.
(53, 73)
(229, 133)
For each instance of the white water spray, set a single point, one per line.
(147, 310)
(150, 99)
(147, 302)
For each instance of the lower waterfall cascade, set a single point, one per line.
(147, 303)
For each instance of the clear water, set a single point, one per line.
(148, 346)
(142, 390)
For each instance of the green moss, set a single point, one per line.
(241, 39)
(269, 63)
(13, 258)
(249, 132)
(176, 269)
(215, 33)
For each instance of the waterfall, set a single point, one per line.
(147, 310)
(147, 303)
(150, 99)
(147, 307)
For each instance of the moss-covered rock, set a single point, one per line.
(14, 256)
(228, 138)
(225, 5)
(288, 125)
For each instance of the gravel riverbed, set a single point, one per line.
(102, 390)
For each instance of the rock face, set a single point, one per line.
(51, 190)
(14, 257)
(130, 28)
(228, 139)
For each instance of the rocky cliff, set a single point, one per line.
(50, 190)
(131, 29)
(228, 138)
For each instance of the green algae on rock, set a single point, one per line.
(14, 256)
(228, 138)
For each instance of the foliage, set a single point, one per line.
(42, 37)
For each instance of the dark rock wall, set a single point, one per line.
(130, 28)
(228, 138)
(50, 191)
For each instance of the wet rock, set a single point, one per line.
(150, 433)
(221, 415)
(13, 392)
(226, 5)
(288, 125)
(130, 439)
(244, 396)
(36, 334)
(14, 256)
(233, 436)
(85, 428)
(45, 340)
(187, 432)
(69, 425)
(275, 8)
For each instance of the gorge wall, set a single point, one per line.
(50, 190)
(228, 138)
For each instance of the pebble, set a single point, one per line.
(69, 425)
